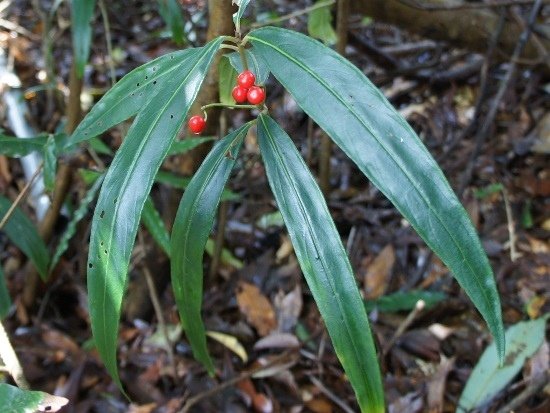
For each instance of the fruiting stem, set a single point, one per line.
(243, 57)
(228, 46)
(224, 105)
(232, 39)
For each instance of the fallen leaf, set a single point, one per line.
(257, 308)
(437, 384)
(288, 307)
(378, 273)
(277, 340)
(230, 342)
(409, 403)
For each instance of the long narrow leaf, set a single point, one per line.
(363, 123)
(16, 400)
(77, 217)
(170, 10)
(17, 147)
(193, 223)
(5, 300)
(242, 5)
(124, 191)
(323, 261)
(21, 231)
(82, 12)
(131, 94)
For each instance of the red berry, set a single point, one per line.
(197, 124)
(246, 79)
(256, 95)
(239, 94)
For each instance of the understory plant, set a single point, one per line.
(356, 116)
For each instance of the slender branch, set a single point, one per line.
(243, 57)
(420, 304)
(21, 195)
(108, 40)
(229, 46)
(514, 255)
(292, 15)
(223, 105)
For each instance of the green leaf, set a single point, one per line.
(50, 163)
(5, 300)
(131, 94)
(227, 76)
(404, 301)
(21, 231)
(323, 261)
(124, 190)
(193, 223)
(82, 12)
(488, 379)
(227, 257)
(175, 181)
(488, 190)
(242, 4)
(180, 147)
(170, 11)
(361, 121)
(319, 25)
(80, 213)
(99, 146)
(17, 147)
(256, 65)
(154, 224)
(16, 400)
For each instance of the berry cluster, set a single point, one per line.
(246, 90)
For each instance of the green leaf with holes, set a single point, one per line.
(131, 94)
(324, 262)
(82, 12)
(193, 223)
(16, 400)
(5, 300)
(361, 121)
(125, 189)
(489, 378)
(22, 232)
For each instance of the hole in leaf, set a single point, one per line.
(101, 243)
(90, 265)
(146, 77)
(155, 82)
(171, 116)
(154, 68)
(115, 200)
(105, 251)
(102, 214)
(137, 85)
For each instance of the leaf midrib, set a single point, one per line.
(283, 166)
(422, 195)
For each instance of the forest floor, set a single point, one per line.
(259, 296)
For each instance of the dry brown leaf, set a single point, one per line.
(436, 385)
(288, 307)
(319, 405)
(277, 340)
(257, 308)
(378, 273)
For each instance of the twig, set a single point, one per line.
(294, 14)
(487, 124)
(420, 5)
(21, 195)
(160, 318)
(245, 375)
(511, 226)
(331, 395)
(10, 359)
(108, 40)
(18, 29)
(420, 304)
(534, 387)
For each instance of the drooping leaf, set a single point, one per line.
(227, 76)
(181, 147)
(50, 163)
(17, 147)
(16, 400)
(404, 301)
(80, 213)
(242, 5)
(124, 190)
(131, 94)
(170, 11)
(170, 179)
(488, 378)
(361, 121)
(227, 257)
(22, 232)
(99, 146)
(319, 25)
(154, 224)
(5, 300)
(323, 261)
(256, 65)
(82, 12)
(193, 223)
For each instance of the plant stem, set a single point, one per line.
(223, 105)
(20, 196)
(7, 353)
(229, 46)
(108, 40)
(243, 57)
(297, 13)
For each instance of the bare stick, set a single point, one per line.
(420, 304)
(331, 395)
(292, 15)
(10, 360)
(21, 195)
(511, 226)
